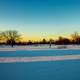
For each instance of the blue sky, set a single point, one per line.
(40, 18)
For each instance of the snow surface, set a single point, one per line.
(35, 59)
(40, 47)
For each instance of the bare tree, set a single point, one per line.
(76, 38)
(10, 36)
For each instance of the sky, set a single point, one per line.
(37, 19)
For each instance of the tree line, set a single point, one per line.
(13, 37)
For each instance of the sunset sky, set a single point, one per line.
(36, 19)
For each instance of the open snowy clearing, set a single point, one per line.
(40, 47)
(35, 59)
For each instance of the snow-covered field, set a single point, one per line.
(37, 59)
(46, 55)
(42, 47)
(34, 54)
(40, 63)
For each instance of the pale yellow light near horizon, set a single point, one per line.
(40, 38)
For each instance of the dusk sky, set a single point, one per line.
(37, 19)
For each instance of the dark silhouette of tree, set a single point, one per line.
(29, 42)
(62, 40)
(10, 36)
(75, 38)
(44, 41)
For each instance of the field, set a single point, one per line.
(68, 69)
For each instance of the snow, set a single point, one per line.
(35, 59)
(42, 47)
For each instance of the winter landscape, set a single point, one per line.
(40, 62)
(39, 39)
